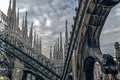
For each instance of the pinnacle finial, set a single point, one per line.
(14, 6)
(54, 53)
(60, 40)
(31, 34)
(9, 9)
(34, 38)
(18, 12)
(116, 45)
(50, 52)
(66, 34)
(25, 16)
(26, 13)
(66, 22)
(58, 44)
(37, 39)
(17, 22)
(25, 29)
(23, 24)
(10, 4)
(40, 45)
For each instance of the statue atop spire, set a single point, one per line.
(66, 40)
(17, 20)
(9, 9)
(60, 40)
(55, 51)
(58, 47)
(61, 48)
(13, 17)
(24, 27)
(40, 45)
(58, 50)
(66, 33)
(50, 52)
(34, 39)
(37, 42)
(23, 23)
(9, 17)
(31, 35)
(14, 6)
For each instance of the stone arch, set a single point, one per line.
(89, 68)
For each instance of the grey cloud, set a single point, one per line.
(111, 31)
(55, 11)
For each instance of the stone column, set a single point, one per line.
(117, 53)
(24, 77)
(10, 75)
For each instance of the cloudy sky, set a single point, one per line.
(49, 19)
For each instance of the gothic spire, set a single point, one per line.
(31, 35)
(60, 40)
(50, 52)
(14, 6)
(9, 9)
(13, 16)
(23, 24)
(66, 34)
(17, 22)
(25, 30)
(66, 40)
(34, 38)
(58, 47)
(61, 48)
(26, 24)
(54, 53)
(37, 43)
(40, 45)
(9, 15)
